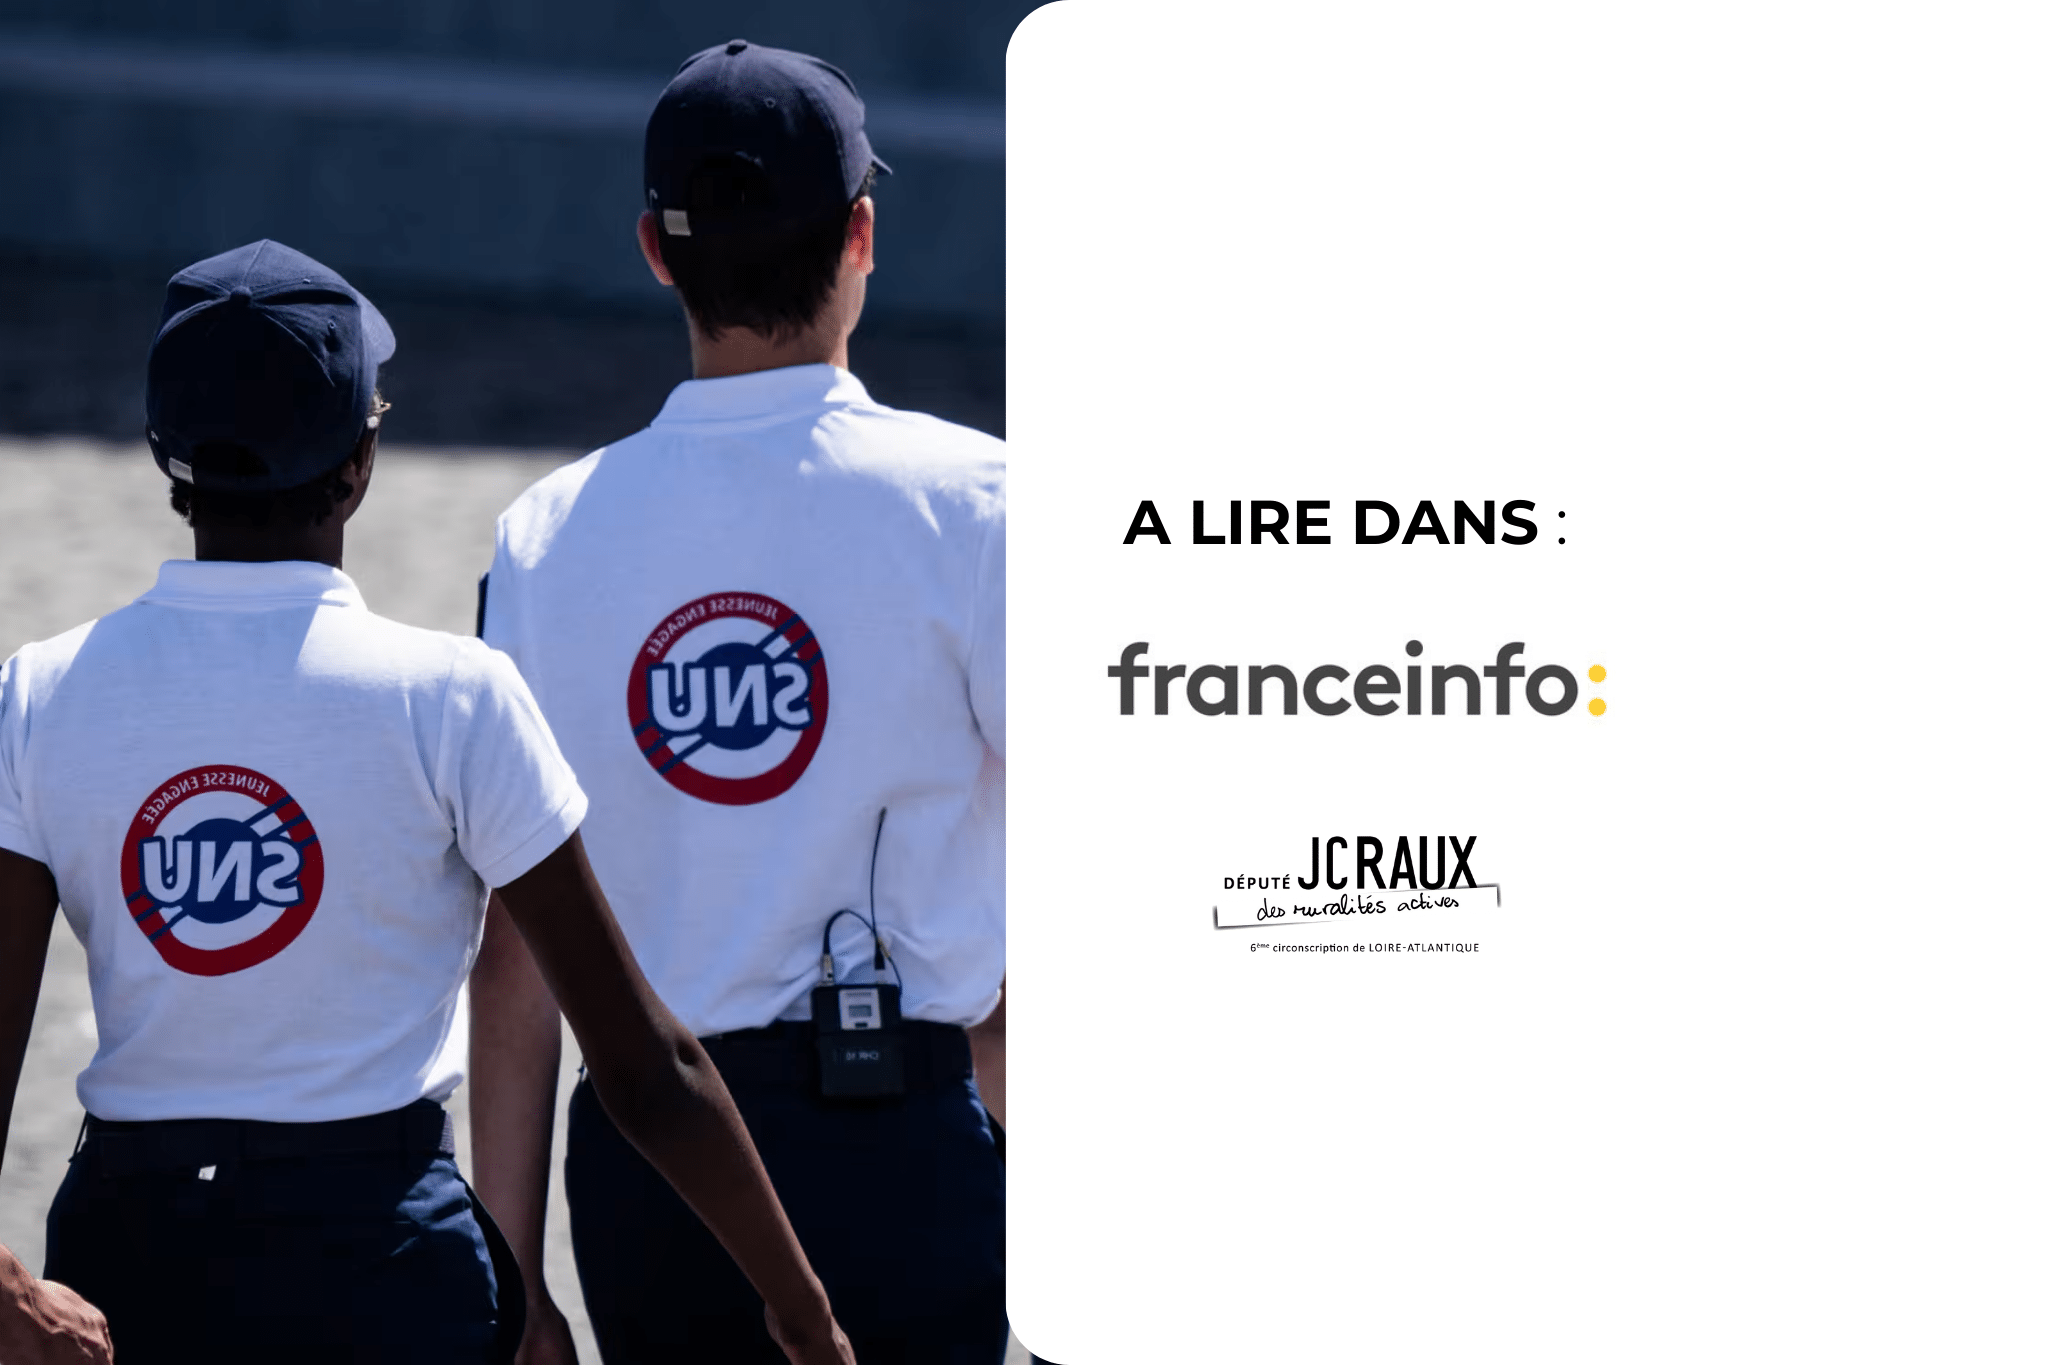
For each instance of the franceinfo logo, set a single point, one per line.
(1416, 688)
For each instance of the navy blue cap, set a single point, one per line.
(263, 348)
(749, 138)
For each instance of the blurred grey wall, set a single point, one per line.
(481, 146)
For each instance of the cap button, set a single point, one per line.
(241, 295)
(735, 47)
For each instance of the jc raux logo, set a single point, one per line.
(727, 699)
(221, 870)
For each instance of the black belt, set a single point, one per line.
(421, 1128)
(784, 1055)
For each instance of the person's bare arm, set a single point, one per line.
(659, 1086)
(40, 1323)
(515, 1055)
(28, 909)
(985, 1040)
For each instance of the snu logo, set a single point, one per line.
(221, 870)
(728, 697)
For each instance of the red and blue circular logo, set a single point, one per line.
(727, 698)
(221, 870)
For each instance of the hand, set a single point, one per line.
(827, 1346)
(547, 1340)
(46, 1323)
(78, 1331)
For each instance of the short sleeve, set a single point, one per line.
(502, 777)
(15, 834)
(987, 657)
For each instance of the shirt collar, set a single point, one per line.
(762, 393)
(226, 585)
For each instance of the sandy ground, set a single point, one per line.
(83, 526)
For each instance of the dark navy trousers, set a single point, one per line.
(898, 1204)
(202, 1243)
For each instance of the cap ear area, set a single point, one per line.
(650, 248)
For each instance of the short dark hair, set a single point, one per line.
(773, 283)
(307, 504)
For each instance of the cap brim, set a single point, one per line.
(377, 337)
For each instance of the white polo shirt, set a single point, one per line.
(271, 816)
(753, 626)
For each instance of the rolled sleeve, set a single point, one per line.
(512, 795)
(16, 833)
